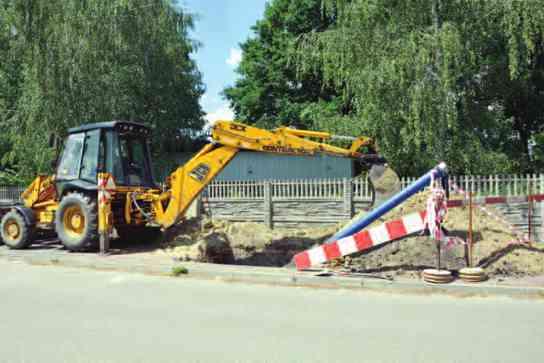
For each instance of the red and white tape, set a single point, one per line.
(403, 227)
(520, 237)
(490, 200)
(361, 241)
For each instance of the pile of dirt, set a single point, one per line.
(492, 248)
(240, 243)
(255, 244)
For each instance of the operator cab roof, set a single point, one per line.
(122, 126)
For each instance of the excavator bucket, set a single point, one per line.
(384, 181)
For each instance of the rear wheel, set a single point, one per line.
(16, 232)
(76, 222)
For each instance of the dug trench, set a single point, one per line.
(215, 241)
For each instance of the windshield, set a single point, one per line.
(71, 157)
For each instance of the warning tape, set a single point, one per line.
(521, 237)
(495, 200)
(397, 229)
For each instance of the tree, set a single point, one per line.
(459, 81)
(69, 62)
(269, 92)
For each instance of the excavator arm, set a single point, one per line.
(285, 140)
(188, 181)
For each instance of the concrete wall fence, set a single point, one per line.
(293, 203)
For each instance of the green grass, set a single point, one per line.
(179, 270)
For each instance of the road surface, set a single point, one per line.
(55, 314)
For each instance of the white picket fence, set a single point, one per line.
(323, 189)
(494, 185)
(10, 194)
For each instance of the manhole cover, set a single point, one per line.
(472, 274)
(437, 276)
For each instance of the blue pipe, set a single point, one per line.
(438, 172)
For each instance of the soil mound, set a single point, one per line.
(240, 243)
(492, 248)
(255, 244)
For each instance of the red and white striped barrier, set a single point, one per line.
(361, 241)
(491, 200)
(403, 227)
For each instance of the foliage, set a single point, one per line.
(179, 270)
(268, 92)
(538, 150)
(460, 81)
(68, 62)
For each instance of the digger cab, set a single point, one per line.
(119, 148)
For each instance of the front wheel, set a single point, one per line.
(76, 222)
(15, 231)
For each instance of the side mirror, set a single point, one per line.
(52, 140)
(54, 144)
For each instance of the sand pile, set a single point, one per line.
(254, 244)
(240, 243)
(491, 250)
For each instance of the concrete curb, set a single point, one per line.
(265, 275)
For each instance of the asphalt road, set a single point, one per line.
(54, 314)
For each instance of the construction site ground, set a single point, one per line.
(251, 251)
(144, 259)
(495, 246)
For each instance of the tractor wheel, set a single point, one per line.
(16, 232)
(76, 222)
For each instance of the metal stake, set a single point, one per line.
(438, 253)
(530, 217)
(469, 229)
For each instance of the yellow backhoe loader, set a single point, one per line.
(119, 152)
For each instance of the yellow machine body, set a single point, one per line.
(133, 206)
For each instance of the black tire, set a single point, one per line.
(76, 222)
(15, 231)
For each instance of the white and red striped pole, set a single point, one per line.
(361, 241)
(104, 212)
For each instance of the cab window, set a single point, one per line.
(133, 155)
(71, 157)
(89, 165)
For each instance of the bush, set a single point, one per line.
(179, 270)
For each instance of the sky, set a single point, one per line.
(221, 26)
